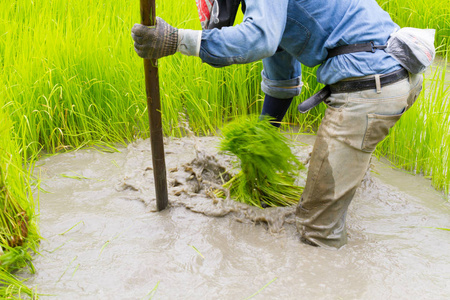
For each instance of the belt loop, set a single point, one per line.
(378, 83)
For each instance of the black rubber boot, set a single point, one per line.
(275, 108)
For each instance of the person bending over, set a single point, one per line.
(369, 90)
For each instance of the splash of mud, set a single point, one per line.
(193, 177)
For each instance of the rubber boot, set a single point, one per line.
(275, 108)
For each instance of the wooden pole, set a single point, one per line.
(148, 18)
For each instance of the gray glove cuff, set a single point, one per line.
(189, 42)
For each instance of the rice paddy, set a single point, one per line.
(69, 79)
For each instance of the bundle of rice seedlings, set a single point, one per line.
(268, 168)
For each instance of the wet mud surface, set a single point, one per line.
(103, 238)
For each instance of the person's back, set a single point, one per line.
(315, 26)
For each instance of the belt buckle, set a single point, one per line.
(373, 47)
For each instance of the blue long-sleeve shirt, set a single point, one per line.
(305, 30)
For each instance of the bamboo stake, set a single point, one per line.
(148, 18)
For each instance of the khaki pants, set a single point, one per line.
(353, 125)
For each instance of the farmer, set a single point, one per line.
(369, 89)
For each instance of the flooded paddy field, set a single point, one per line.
(103, 239)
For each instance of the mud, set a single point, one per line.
(103, 238)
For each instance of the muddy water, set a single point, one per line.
(104, 240)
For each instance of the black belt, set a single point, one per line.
(351, 86)
(352, 48)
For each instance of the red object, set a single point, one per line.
(204, 10)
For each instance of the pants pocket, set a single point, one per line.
(377, 129)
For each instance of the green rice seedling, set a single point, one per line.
(12, 287)
(18, 229)
(152, 293)
(268, 167)
(446, 229)
(422, 14)
(420, 141)
(79, 82)
(16, 205)
(198, 252)
(261, 289)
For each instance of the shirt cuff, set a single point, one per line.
(189, 42)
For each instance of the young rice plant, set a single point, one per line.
(268, 168)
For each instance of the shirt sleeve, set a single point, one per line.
(257, 37)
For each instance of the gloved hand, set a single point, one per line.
(155, 41)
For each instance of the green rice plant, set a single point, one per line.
(422, 14)
(66, 88)
(18, 228)
(268, 167)
(261, 289)
(78, 81)
(420, 141)
(17, 215)
(12, 287)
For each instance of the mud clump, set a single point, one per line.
(194, 176)
(202, 174)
